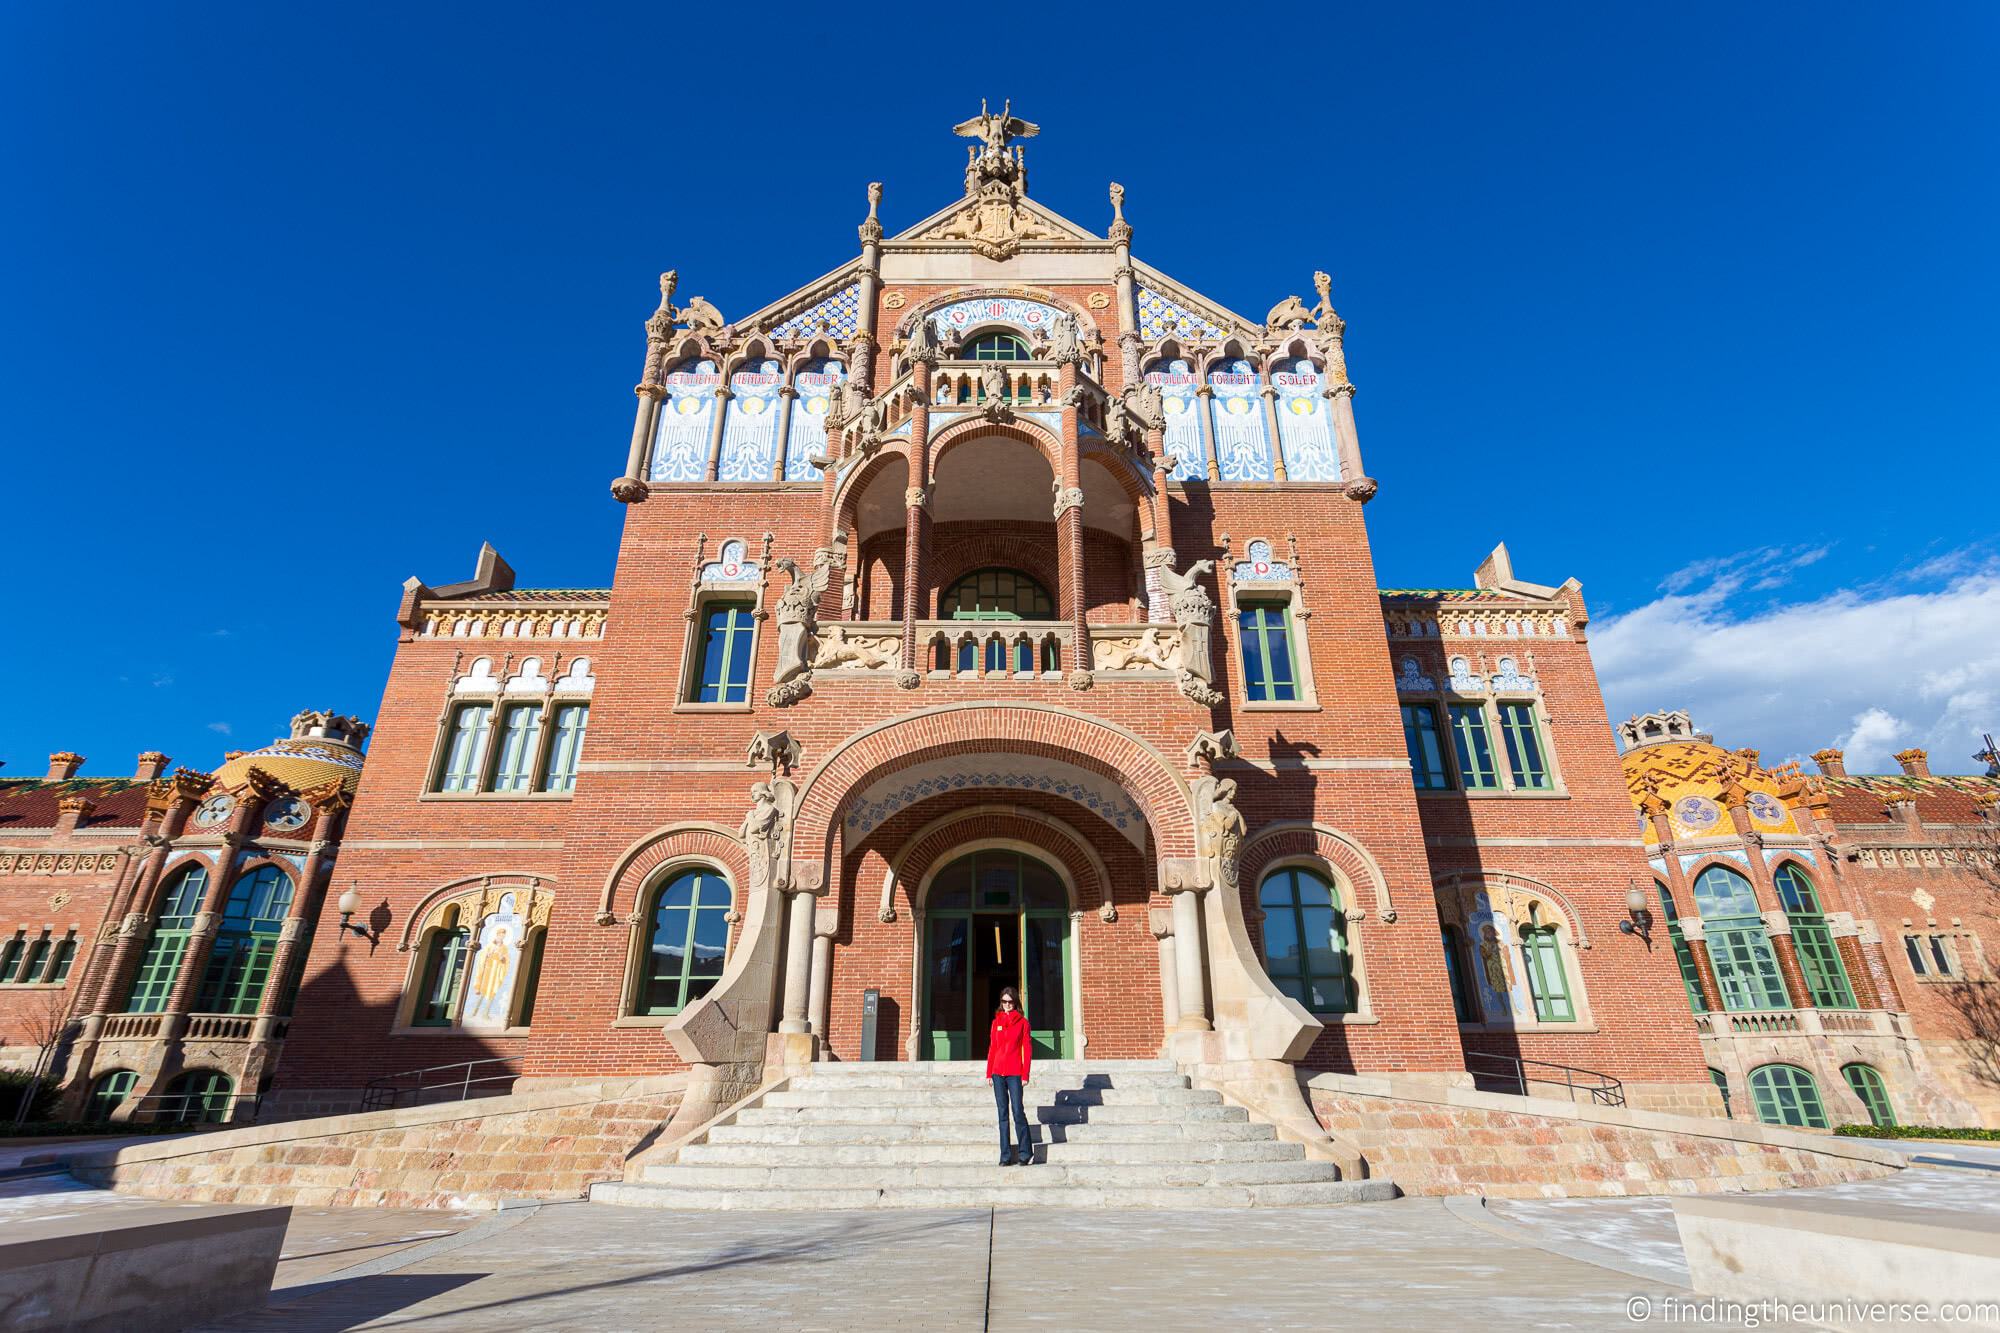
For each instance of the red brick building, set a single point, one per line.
(1834, 931)
(995, 609)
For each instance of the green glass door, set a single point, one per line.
(996, 919)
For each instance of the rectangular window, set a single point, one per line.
(1819, 959)
(1546, 981)
(439, 986)
(1420, 734)
(1267, 652)
(1474, 747)
(1746, 971)
(10, 958)
(65, 955)
(465, 753)
(1913, 946)
(520, 738)
(1524, 747)
(566, 748)
(157, 970)
(725, 654)
(1690, 973)
(38, 958)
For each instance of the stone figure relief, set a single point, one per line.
(993, 389)
(797, 615)
(923, 343)
(1155, 648)
(1194, 613)
(1288, 316)
(767, 834)
(1065, 344)
(1222, 829)
(842, 647)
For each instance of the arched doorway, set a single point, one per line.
(996, 917)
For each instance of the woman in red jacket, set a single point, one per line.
(1008, 1054)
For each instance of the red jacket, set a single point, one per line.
(1011, 1048)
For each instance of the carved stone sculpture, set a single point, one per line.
(1208, 748)
(993, 389)
(1222, 830)
(1288, 316)
(797, 615)
(842, 647)
(923, 343)
(1194, 613)
(1065, 344)
(1152, 648)
(767, 835)
(700, 316)
(777, 749)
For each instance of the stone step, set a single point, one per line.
(973, 1114)
(639, 1194)
(976, 1080)
(796, 1131)
(822, 1095)
(977, 1068)
(975, 1154)
(990, 1174)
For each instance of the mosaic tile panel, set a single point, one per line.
(1162, 317)
(839, 314)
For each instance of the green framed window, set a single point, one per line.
(65, 956)
(10, 958)
(37, 960)
(443, 971)
(726, 642)
(520, 739)
(1787, 1095)
(689, 941)
(239, 960)
(1462, 1002)
(1683, 954)
(1548, 984)
(1819, 957)
(1866, 1081)
(1721, 1082)
(1305, 940)
(996, 594)
(199, 1095)
(161, 962)
(1739, 948)
(566, 747)
(1474, 748)
(1269, 673)
(108, 1093)
(464, 762)
(1426, 747)
(1527, 760)
(996, 347)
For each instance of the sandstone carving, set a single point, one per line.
(842, 647)
(797, 615)
(767, 834)
(1222, 830)
(1288, 316)
(1154, 648)
(1194, 612)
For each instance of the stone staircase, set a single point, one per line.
(1108, 1134)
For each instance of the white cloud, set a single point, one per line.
(222, 727)
(1872, 670)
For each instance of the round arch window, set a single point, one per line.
(997, 594)
(996, 347)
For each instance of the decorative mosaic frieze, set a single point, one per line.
(1410, 679)
(837, 316)
(1508, 622)
(1923, 857)
(732, 565)
(449, 622)
(1261, 566)
(960, 317)
(1160, 316)
(1305, 423)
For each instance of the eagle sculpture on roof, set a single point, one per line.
(995, 131)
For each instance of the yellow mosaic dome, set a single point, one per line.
(323, 748)
(1690, 772)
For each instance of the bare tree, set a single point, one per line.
(46, 1021)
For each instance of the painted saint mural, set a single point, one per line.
(1305, 426)
(1242, 447)
(815, 384)
(496, 963)
(1177, 384)
(680, 444)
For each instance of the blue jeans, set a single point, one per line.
(1006, 1094)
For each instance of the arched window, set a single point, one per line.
(1462, 1001)
(1819, 957)
(1746, 971)
(997, 594)
(996, 347)
(1866, 1081)
(239, 962)
(108, 1094)
(161, 962)
(1305, 941)
(1548, 983)
(1786, 1095)
(1683, 955)
(199, 1095)
(1721, 1082)
(443, 971)
(531, 976)
(689, 939)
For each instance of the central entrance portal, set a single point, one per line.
(996, 918)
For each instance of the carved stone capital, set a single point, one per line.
(653, 391)
(908, 679)
(629, 490)
(1080, 680)
(1107, 913)
(1182, 874)
(1362, 489)
(606, 918)
(916, 497)
(1068, 498)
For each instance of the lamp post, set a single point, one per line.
(1638, 915)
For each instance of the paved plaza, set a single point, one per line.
(1418, 1264)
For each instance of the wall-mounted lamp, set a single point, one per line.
(1638, 915)
(350, 903)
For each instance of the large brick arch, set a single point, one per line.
(688, 841)
(979, 428)
(1343, 852)
(943, 838)
(1090, 743)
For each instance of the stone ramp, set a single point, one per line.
(1106, 1134)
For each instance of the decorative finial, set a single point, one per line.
(1117, 203)
(874, 198)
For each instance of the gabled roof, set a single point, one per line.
(27, 803)
(1048, 219)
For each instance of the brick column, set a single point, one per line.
(1779, 929)
(917, 516)
(1069, 520)
(295, 937)
(201, 939)
(114, 979)
(1888, 992)
(1845, 939)
(1704, 966)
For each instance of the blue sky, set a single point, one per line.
(1692, 303)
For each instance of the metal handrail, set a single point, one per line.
(455, 1083)
(1603, 1088)
(178, 1106)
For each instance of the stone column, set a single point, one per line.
(1340, 397)
(1161, 920)
(1269, 394)
(294, 937)
(631, 488)
(1205, 418)
(917, 517)
(826, 920)
(798, 960)
(1187, 962)
(786, 397)
(715, 429)
(1704, 966)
